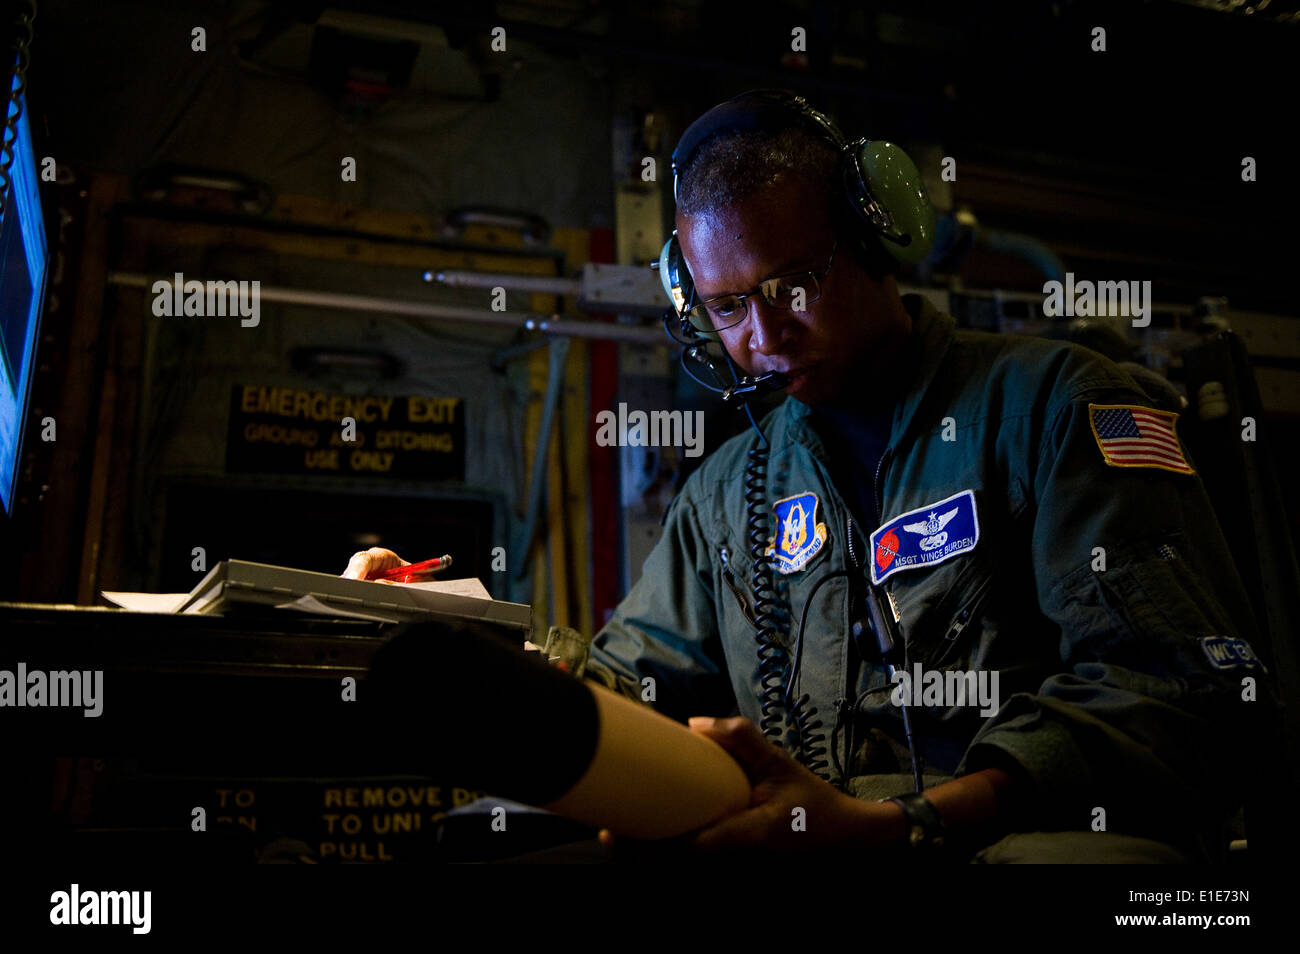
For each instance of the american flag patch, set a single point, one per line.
(1132, 436)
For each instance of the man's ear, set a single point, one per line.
(872, 257)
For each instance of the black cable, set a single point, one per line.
(850, 734)
(812, 744)
(911, 749)
(889, 639)
(685, 362)
(907, 719)
(775, 690)
(812, 748)
(771, 654)
(803, 619)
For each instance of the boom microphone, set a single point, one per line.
(747, 388)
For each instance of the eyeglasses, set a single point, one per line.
(793, 292)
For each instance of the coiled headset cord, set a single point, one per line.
(776, 674)
(773, 658)
(776, 688)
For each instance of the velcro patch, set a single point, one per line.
(1134, 436)
(1225, 653)
(800, 536)
(923, 537)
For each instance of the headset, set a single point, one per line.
(881, 206)
(880, 201)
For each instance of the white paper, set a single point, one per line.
(309, 604)
(469, 588)
(148, 602)
(466, 587)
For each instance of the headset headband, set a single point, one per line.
(755, 109)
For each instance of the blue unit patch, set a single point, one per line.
(1225, 653)
(923, 537)
(799, 537)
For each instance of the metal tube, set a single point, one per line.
(541, 284)
(537, 490)
(548, 324)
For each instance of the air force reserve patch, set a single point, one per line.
(799, 537)
(1133, 436)
(923, 537)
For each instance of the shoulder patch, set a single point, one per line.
(923, 537)
(1129, 435)
(799, 536)
(1225, 653)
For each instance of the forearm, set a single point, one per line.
(975, 809)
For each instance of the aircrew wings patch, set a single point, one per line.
(1133, 436)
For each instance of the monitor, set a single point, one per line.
(23, 261)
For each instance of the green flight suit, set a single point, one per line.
(1102, 596)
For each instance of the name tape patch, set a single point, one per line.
(923, 537)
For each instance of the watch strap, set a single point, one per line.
(925, 831)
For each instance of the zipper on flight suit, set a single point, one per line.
(880, 490)
(961, 621)
(730, 579)
(848, 538)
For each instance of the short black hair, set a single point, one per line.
(732, 165)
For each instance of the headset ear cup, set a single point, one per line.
(673, 274)
(882, 173)
(676, 280)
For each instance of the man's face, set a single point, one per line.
(781, 229)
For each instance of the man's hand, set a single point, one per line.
(781, 786)
(366, 563)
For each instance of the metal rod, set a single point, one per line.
(537, 490)
(528, 321)
(541, 284)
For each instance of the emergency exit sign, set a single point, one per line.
(281, 430)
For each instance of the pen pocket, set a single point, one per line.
(729, 571)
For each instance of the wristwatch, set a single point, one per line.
(925, 831)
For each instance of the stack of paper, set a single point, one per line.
(240, 583)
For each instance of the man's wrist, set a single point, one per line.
(878, 824)
(968, 808)
(925, 828)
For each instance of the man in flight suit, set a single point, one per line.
(1023, 504)
(1026, 506)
